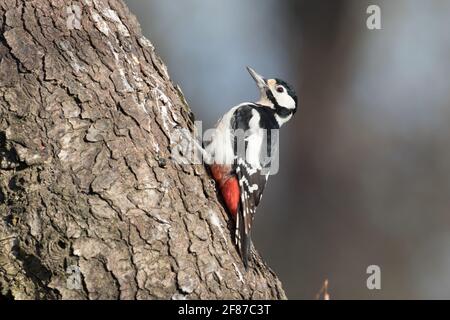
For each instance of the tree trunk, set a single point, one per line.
(91, 204)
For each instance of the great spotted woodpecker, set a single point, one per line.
(241, 151)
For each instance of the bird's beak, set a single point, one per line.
(260, 82)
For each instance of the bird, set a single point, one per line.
(243, 149)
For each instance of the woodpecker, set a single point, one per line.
(241, 150)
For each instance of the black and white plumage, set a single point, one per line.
(242, 151)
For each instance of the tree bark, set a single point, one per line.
(91, 204)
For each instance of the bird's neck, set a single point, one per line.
(264, 101)
(281, 114)
(282, 120)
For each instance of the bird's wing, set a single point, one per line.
(251, 173)
(251, 187)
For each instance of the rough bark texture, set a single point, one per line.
(88, 191)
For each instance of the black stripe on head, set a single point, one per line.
(270, 96)
(281, 111)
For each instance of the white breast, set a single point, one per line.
(220, 148)
(222, 140)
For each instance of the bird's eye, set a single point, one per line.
(280, 89)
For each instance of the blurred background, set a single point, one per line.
(365, 164)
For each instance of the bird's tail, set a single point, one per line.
(242, 239)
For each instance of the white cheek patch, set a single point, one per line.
(285, 100)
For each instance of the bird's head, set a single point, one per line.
(276, 94)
